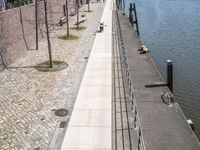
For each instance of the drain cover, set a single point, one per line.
(63, 124)
(61, 112)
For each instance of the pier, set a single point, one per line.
(163, 126)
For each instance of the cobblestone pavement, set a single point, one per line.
(28, 98)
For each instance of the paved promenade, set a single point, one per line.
(90, 124)
(28, 98)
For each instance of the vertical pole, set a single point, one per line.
(77, 4)
(4, 5)
(36, 24)
(130, 11)
(64, 10)
(136, 20)
(130, 14)
(67, 13)
(170, 75)
(88, 2)
(47, 32)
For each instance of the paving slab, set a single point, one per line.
(101, 54)
(95, 91)
(99, 81)
(99, 65)
(96, 103)
(97, 72)
(91, 117)
(87, 137)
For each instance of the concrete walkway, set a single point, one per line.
(90, 123)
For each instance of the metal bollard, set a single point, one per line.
(101, 27)
(170, 75)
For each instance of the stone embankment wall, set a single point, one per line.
(17, 28)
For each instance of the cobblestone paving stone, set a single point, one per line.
(28, 98)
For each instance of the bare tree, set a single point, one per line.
(47, 33)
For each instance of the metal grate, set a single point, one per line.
(61, 112)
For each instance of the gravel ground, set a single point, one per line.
(28, 98)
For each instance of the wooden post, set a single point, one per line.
(136, 20)
(170, 75)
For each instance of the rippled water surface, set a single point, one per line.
(171, 30)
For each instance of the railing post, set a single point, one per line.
(170, 75)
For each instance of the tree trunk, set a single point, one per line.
(88, 5)
(47, 32)
(36, 24)
(67, 15)
(77, 4)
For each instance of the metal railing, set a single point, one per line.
(137, 124)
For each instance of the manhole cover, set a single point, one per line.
(61, 112)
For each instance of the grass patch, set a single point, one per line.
(57, 66)
(79, 28)
(71, 37)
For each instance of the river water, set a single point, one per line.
(171, 30)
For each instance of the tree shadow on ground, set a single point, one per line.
(24, 67)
